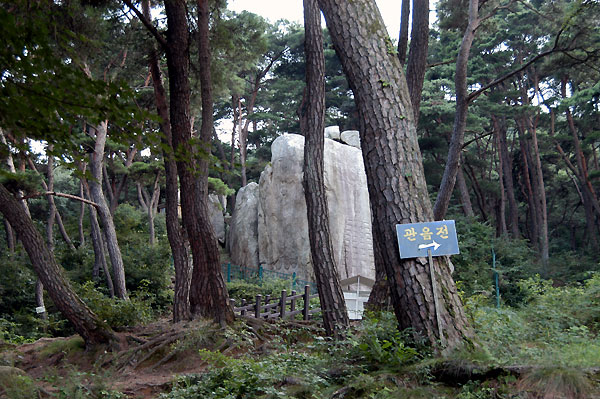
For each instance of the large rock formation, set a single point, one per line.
(216, 206)
(281, 209)
(243, 227)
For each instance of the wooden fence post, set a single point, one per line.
(267, 301)
(293, 302)
(305, 312)
(257, 306)
(282, 304)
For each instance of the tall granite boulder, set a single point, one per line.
(243, 227)
(282, 222)
(216, 206)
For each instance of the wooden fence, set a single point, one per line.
(284, 306)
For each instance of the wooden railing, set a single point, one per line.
(285, 306)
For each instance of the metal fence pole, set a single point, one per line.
(229, 272)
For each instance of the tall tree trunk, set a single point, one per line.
(540, 191)
(463, 189)
(460, 119)
(513, 206)
(150, 204)
(85, 322)
(380, 296)
(96, 194)
(236, 106)
(97, 242)
(417, 56)
(10, 236)
(249, 111)
(208, 294)
(394, 168)
(117, 189)
(534, 236)
(39, 300)
(11, 240)
(590, 199)
(81, 216)
(335, 315)
(175, 235)
(501, 228)
(52, 204)
(39, 287)
(403, 35)
(537, 180)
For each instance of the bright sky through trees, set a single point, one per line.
(292, 10)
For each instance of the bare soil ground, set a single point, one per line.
(149, 359)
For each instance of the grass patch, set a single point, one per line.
(67, 346)
(551, 383)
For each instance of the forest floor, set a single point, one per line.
(150, 357)
(291, 357)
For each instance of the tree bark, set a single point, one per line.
(534, 235)
(243, 135)
(394, 168)
(501, 228)
(117, 189)
(403, 35)
(417, 56)
(333, 304)
(81, 216)
(208, 294)
(590, 199)
(513, 206)
(537, 181)
(149, 204)
(96, 194)
(10, 236)
(177, 239)
(51, 204)
(97, 242)
(85, 322)
(460, 119)
(463, 189)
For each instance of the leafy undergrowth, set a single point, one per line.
(547, 348)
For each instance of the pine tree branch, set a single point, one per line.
(69, 196)
(148, 24)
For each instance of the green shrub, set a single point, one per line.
(117, 312)
(473, 266)
(272, 376)
(380, 343)
(240, 289)
(555, 326)
(17, 284)
(18, 387)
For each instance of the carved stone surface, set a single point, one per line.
(243, 228)
(351, 137)
(215, 207)
(282, 222)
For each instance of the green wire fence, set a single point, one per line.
(259, 274)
